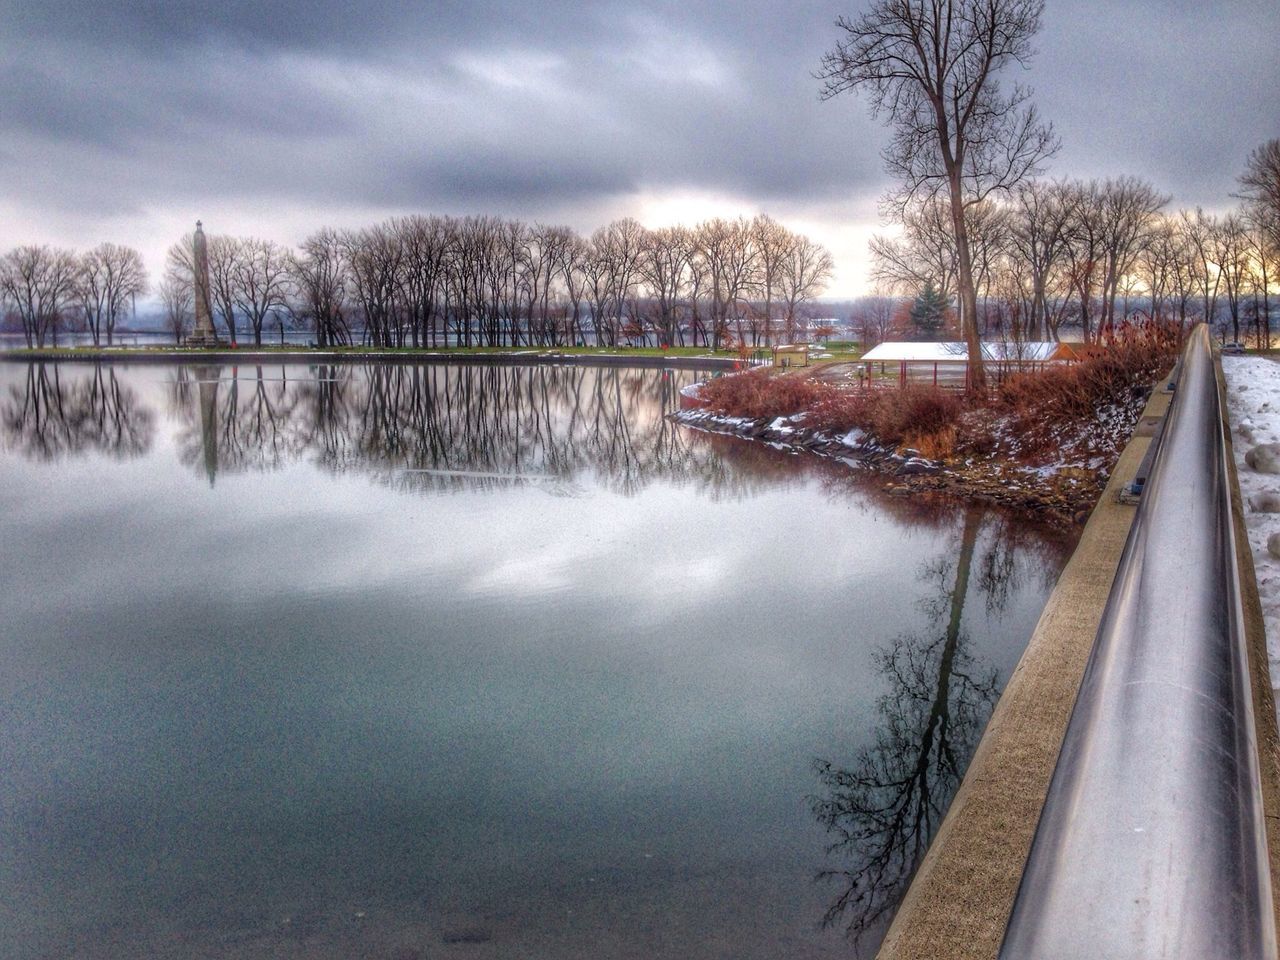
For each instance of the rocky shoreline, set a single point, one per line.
(1062, 495)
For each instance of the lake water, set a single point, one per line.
(415, 661)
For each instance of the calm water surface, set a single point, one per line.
(469, 661)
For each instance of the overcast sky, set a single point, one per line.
(127, 121)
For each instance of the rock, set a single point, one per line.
(900, 491)
(1268, 501)
(914, 468)
(1273, 545)
(1265, 458)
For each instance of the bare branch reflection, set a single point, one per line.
(441, 427)
(884, 809)
(48, 417)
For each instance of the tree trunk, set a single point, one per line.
(977, 380)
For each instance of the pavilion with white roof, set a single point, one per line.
(952, 356)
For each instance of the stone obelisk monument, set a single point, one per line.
(203, 335)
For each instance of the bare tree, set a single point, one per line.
(110, 279)
(1264, 258)
(1200, 231)
(805, 270)
(873, 318)
(1232, 257)
(1038, 235)
(732, 264)
(925, 252)
(1085, 250)
(664, 266)
(321, 287)
(1260, 189)
(930, 67)
(259, 271)
(40, 283)
(374, 258)
(1260, 183)
(424, 242)
(176, 299)
(774, 243)
(1128, 210)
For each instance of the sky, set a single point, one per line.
(127, 121)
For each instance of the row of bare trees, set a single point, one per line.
(484, 281)
(1093, 253)
(47, 288)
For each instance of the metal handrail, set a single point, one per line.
(1151, 842)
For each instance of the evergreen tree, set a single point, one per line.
(929, 311)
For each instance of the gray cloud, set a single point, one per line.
(537, 109)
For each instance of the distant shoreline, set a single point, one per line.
(257, 355)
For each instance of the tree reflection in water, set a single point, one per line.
(46, 418)
(428, 428)
(884, 809)
(441, 427)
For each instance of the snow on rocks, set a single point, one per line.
(790, 433)
(1253, 403)
(1265, 458)
(1266, 502)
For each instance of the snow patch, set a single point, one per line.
(854, 438)
(1253, 393)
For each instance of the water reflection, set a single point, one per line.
(419, 427)
(885, 807)
(491, 714)
(48, 416)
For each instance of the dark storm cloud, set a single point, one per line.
(628, 97)
(533, 108)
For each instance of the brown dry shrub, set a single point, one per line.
(763, 393)
(891, 416)
(940, 445)
(1046, 404)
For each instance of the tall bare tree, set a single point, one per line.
(1128, 213)
(111, 277)
(176, 299)
(1038, 235)
(322, 287)
(930, 67)
(261, 277)
(664, 265)
(1199, 231)
(1260, 183)
(805, 270)
(40, 283)
(1232, 256)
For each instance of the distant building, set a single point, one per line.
(791, 355)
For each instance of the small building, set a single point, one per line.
(791, 355)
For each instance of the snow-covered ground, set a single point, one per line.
(1253, 402)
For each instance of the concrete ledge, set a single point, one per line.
(962, 895)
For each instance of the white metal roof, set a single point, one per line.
(953, 351)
